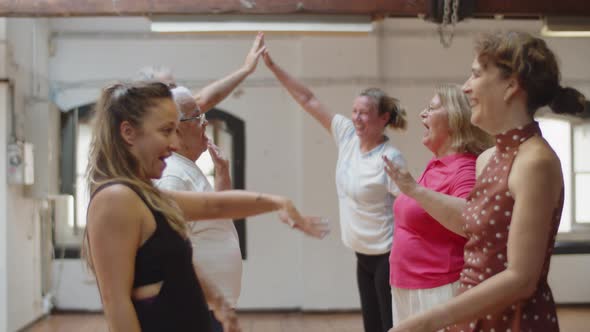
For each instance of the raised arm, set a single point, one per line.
(302, 95)
(215, 92)
(235, 204)
(535, 183)
(444, 208)
(114, 233)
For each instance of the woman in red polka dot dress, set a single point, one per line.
(512, 214)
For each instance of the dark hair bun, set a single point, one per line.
(568, 101)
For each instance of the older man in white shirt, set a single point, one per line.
(216, 252)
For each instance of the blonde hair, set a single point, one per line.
(111, 161)
(387, 104)
(465, 136)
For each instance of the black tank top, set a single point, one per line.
(166, 256)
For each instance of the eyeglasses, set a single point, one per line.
(430, 108)
(201, 117)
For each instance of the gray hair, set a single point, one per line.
(153, 73)
(184, 100)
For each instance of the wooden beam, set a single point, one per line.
(380, 8)
(170, 7)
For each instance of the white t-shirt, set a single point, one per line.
(364, 191)
(216, 248)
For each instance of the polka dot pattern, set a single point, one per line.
(488, 215)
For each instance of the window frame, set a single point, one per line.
(579, 232)
(70, 122)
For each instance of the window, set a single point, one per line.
(82, 194)
(70, 206)
(226, 130)
(581, 174)
(570, 139)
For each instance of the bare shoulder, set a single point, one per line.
(536, 163)
(113, 205)
(483, 159)
(537, 155)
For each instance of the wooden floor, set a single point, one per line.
(571, 319)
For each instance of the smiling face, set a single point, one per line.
(192, 132)
(155, 139)
(437, 137)
(487, 93)
(369, 125)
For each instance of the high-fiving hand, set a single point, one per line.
(267, 59)
(257, 49)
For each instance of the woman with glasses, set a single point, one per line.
(136, 240)
(511, 216)
(426, 258)
(364, 191)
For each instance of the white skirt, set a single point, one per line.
(406, 303)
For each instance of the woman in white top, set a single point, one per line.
(365, 192)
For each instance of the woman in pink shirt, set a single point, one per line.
(426, 258)
(512, 214)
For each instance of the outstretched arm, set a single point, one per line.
(215, 92)
(302, 95)
(229, 204)
(235, 204)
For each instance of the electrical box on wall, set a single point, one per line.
(20, 168)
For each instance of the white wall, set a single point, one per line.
(567, 276)
(25, 62)
(287, 153)
(3, 185)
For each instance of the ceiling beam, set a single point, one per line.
(380, 8)
(169, 7)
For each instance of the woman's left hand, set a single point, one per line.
(400, 175)
(254, 54)
(313, 226)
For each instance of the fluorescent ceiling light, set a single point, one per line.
(268, 23)
(566, 27)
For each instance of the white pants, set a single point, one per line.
(406, 303)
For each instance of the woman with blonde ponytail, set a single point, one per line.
(136, 242)
(365, 192)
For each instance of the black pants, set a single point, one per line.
(372, 273)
